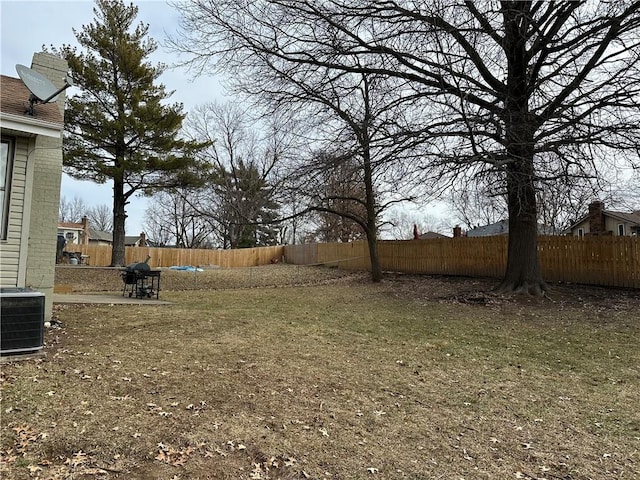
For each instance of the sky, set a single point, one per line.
(28, 25)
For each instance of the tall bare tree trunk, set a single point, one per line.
(376, 270)
(523, 266)
(370, 198)
(523, 273)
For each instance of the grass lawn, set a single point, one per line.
(341, 380)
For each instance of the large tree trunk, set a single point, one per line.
(119, 217)
(370, 204)
(376, 270)
(523, 267)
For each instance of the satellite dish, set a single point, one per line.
(41, 88)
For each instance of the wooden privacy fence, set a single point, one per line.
(608, 261)
(100, 256)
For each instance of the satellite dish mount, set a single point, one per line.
(41, 88)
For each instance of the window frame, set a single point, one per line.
(5, 187)
(621, 229)
(580, 232)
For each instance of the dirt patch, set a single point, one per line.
(479, 291)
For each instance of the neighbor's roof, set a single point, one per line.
(502, 228)
(498, 228)
(70, 226)
(100, 235)
(625, 217)
(430, 235)
(633, 218)
(14, 100)
(131, 239)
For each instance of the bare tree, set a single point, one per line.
(476, 202)
(171, 218)
(241, 198)
(296, 225)
(400, 224)
(341, 191)
(72, 210)
(510, 84)
(101, 218)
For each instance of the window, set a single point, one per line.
(621, 229)
(581, 232)
(6, 161)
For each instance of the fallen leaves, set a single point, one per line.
(156, 409)
(25, 437)
(260, 469)
(173, 456)
(79, 464)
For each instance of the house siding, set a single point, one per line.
(11, 247)
(611, 225)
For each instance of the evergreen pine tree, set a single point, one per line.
(118, 128)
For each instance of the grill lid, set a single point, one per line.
(140, 266)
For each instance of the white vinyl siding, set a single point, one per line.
(11, 244)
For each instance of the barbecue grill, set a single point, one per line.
(140, 280)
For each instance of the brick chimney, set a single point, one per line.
(143, 240)
(85, 231)
(596, 218)
(457, 231)
(55, 69)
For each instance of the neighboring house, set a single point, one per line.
(431, 235)
(502, 228)
(82, 234)
(606, 222)
(75, 233)
(100, 237)
(137, 241)
(498, 228)
(30, 176)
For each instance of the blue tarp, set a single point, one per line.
(186, 268)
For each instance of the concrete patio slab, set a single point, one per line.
(109, 298)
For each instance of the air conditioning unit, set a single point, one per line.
(21, 320)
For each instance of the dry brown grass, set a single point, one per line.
(100, 279)
(416, 377)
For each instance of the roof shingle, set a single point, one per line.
(14, 100)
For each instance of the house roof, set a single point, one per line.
(70, 225)
(100, 235)
(14, 100)
(626, 217)
(498, 228)
(430, 235)
(633, 218)
(502, 228)
(131, 239)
